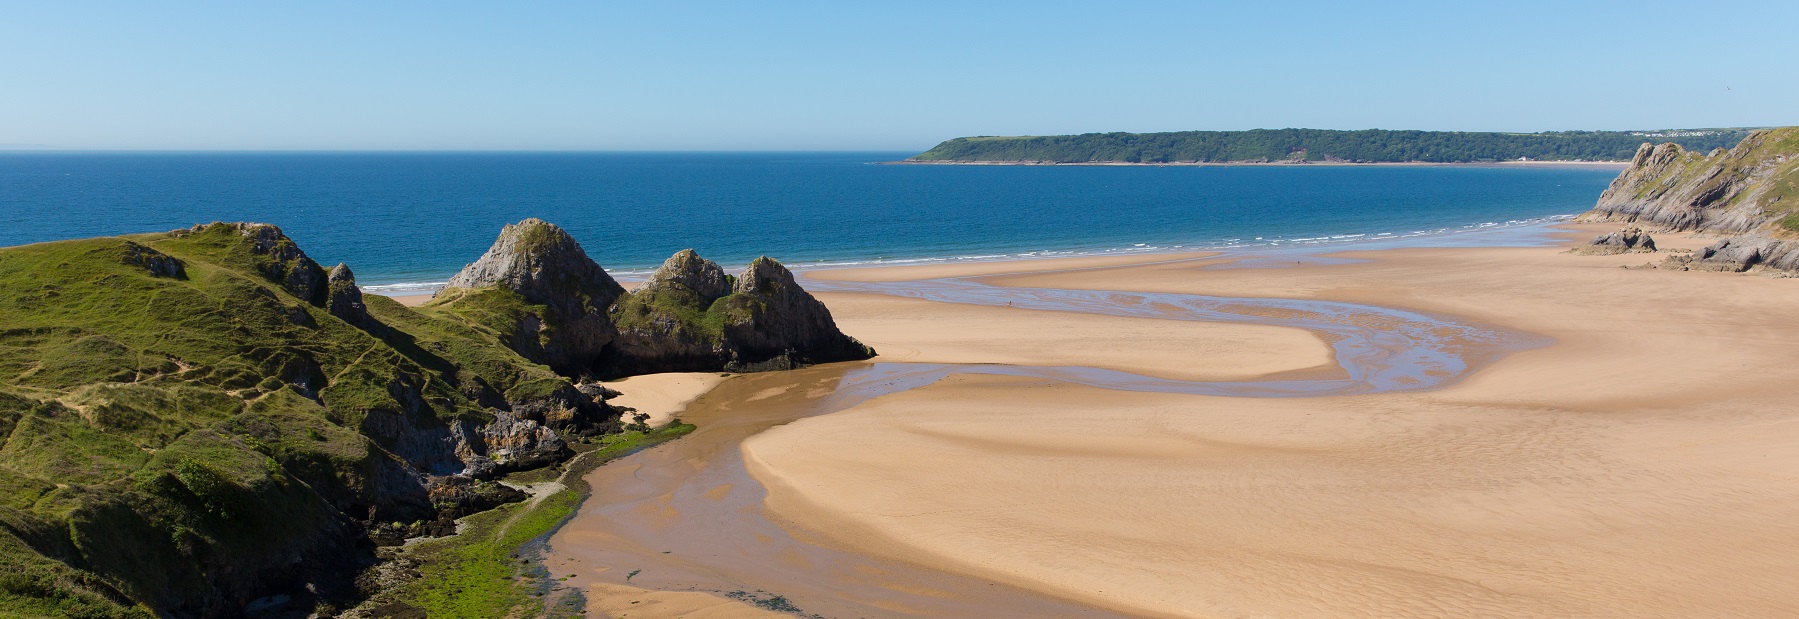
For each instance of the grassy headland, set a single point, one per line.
(188, 425)
(490, 568)
(1303, 145)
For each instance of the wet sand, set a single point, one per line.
(678, 529)
(1642, 465)
(663, 396)
(918, 331)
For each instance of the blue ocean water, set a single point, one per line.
(415, 218)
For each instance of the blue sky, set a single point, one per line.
(864, 75)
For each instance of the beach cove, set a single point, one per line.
(1618, 463)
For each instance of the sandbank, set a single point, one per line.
(1642, 465)
(917, 331)
(663, 396)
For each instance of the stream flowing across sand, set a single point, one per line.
(688, 517)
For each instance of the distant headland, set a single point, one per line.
(1317, 146)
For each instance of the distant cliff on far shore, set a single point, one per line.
(1318, 145)
(1748, 194)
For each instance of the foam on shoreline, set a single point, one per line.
(1509, 233)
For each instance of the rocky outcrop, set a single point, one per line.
(545, 266)
(509, 443)
(569, 410)
(1626, 241)
(242, 436)
(1740, 254)
(1725, 192)
(688, 316)
(282, 260)
(781, 320)
(525, 435)
(687, 273)
(158, 264)
(344, 299)
(1749, 195)
(668, 322)
(597, 391)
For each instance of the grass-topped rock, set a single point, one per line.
(200, 421)
(539, 290)
(1748, 194)
(539, 285)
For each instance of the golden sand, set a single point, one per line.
(1646, 464)
(663, 396)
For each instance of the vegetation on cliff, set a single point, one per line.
(206, 423)
(191, 428)
(491, 568)
(1300, 145)
(1748, 194)
(688, 316)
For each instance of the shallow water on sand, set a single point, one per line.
(687, 516)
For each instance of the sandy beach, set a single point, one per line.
(663, 396)
(1640, 465)
(413, 300)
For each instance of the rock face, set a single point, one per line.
(284, 263)
(157, 263)
(782, 321)
(543, 264)
(509, 442)
(1740, 253)
(344, 299)
(1626, 241)
(666, 324)
(243, 435)
(1748, 194)
(688, 316)
(686, 271)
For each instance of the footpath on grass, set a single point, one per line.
(493, 565)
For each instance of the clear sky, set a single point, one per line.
(865, 75)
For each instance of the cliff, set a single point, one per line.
(194, 420)
(688, 316)
(538, 264)
(1748, 194)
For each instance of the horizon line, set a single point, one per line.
(323, 151)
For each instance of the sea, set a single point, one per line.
(406, 222)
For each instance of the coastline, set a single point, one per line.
(1618, 165)
(1264, 505)
(413, 294)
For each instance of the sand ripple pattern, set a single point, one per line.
(689, 517)
(1381, 349)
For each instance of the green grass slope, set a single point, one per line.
(185, 427)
